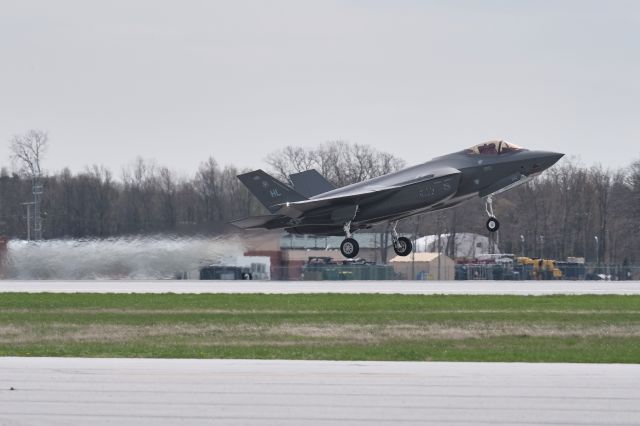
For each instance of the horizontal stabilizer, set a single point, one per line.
(254, 222)
(310, 183)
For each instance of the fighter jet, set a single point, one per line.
(313, 206)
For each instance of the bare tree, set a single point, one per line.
(168, 189)
(342, 163)
(207, 184)
(292, 160)
(28, 151)
(602, 185)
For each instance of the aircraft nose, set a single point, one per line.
(551, 158)
(542, 160)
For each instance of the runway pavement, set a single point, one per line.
(307, 287)
(234, 392)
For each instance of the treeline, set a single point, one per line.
(145, 198)
(577, 211)
(571, 210)
(557, 215)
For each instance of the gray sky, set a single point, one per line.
(179, 81)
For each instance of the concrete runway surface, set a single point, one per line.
(237, 392)
(307, 287)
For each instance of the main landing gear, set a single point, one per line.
(401, 245)
(349, 247)
(492, 223)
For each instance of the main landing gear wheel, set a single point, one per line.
(403, 246)
(349, 248)
(492, 224)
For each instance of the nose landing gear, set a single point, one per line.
(492, 223)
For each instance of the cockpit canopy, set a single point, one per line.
(494, 147)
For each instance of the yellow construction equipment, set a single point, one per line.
(543, 269)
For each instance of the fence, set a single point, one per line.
(479, 271)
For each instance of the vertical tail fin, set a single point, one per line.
(269, 190)
(310, 183)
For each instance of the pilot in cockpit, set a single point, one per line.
(494, 148)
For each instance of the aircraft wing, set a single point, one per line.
(298, 208)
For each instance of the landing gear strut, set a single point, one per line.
(401, 245)
(492, 223)
(349, 247)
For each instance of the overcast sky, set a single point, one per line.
(180, 81)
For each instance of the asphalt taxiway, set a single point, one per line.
(309, 287)
(234, 392)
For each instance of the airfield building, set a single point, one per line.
(424, 266)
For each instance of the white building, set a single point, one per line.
(465, 245)
(424, 266)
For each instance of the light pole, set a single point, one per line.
(522, 245)
(597, 250)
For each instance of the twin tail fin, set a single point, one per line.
(269, 190)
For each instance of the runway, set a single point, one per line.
(538, 288)
(234, 392)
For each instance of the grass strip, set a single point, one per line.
(585, 328)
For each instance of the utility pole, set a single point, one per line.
(37, 219)
(415, 246)
(439, 254)
(28, 219)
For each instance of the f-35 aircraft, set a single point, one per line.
(314, 206)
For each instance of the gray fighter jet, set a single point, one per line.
(314, 206)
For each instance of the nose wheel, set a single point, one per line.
(492, 223)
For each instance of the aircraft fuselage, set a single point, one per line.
(464, 176)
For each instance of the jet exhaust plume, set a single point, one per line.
(143, 257)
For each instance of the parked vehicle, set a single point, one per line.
(219, 272)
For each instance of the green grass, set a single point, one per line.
(323, 326)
